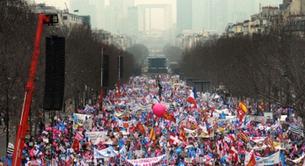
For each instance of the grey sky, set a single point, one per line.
(157, 17)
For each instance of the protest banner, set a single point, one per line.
(82, 120)
(97, 136)
(268, 115)
(105, 153)
(257, 118)
(264, 161)
(146, 161)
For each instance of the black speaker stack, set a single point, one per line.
(54, 73)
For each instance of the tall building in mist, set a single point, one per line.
(133, 21)
(184, 15)
(117, 15)
(100, 16)
(200, 12)
(207, 15)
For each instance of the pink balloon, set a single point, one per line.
(159, 109)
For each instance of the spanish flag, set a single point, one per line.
(241, 111)
(240, 114)
(243, 107)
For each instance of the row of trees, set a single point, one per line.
(83, 59)
(268, 67)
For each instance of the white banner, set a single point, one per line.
(105, 153)
(262, 161)
(97, 136)
(257, 118)
(82, 120)
(268, 115)
(146, 161)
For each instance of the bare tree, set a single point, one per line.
(268, 67)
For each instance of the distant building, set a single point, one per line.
(200, 15)
(64, 17)
(295, 25)
(289, 17)
(269, 19)
(71, 20)
(294, 7)
(184, 15)
(133, 21)
(146, 19)
(117, 16)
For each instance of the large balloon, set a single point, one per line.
(159, 109)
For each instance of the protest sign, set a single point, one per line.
(264, 161)
(268, 115)
(257, 118)
(82, 120)
(97, 136)
(146, 161)
(105, 153)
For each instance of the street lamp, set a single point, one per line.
(101, 96)
(7, 117)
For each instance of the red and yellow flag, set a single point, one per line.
(243, 107)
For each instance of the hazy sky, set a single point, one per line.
(61, 3)
(157, 16)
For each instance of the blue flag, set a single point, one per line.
(283, 160)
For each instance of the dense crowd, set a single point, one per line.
(194, 128)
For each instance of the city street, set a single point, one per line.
(154, 82)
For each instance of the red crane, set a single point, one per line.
(29, 89)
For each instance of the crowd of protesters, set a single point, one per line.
(195, 128)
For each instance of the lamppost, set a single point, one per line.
(101, 96)
(7, 117)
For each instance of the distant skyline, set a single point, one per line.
(239, 11)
